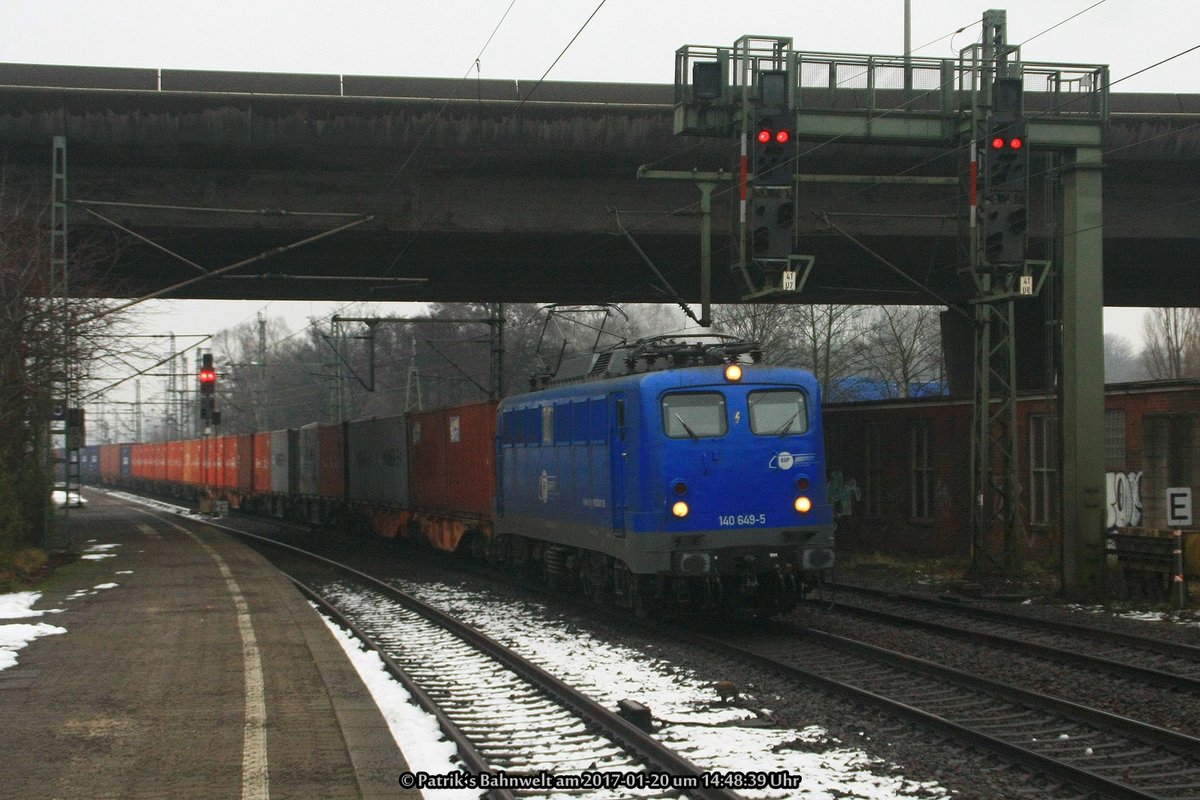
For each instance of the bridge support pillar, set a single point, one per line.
(1082, 436)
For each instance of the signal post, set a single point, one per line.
(767, 98)
(209, 419)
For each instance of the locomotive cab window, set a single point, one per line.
(695, 415)
(779, 412)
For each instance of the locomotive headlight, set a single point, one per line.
(733, 373)
(803, 504)
(680, 509)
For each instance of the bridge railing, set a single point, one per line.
(712, 82)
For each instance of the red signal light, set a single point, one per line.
(997, 142)
(764, 135)
(208, 375)
(1016, 143)
(782, 137)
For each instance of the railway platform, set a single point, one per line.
(190, 668)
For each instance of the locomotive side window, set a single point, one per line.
(533, 425)
(581, 422)
(599, 419)
(562, 423)
(694, 415)
(547, 425)
(779, 412)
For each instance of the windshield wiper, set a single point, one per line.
(690, 432)
(787, 425)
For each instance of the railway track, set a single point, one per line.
(1172, 665)
(1098, 752)
(1059, 746)
(509, 717)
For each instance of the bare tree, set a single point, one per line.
(830, 344)
(902, 349)
(826, 339)
(1172, 343)
(771, 325)
(46, 343)
(1121, 362)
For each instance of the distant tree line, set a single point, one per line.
(1171, 348)
(273, 378)
(856, 352)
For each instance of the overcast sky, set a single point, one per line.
(625, 41)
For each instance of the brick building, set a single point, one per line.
(904, 466)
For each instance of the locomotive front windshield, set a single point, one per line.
(779, 412)
(695, 415)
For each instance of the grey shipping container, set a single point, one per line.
(378, 461)
(308, 460)
(283, 461)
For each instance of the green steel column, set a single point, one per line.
(1083, 375)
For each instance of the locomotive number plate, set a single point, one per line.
(734, 520)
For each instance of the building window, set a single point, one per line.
(921, 469)
(874, 465)
(1043, 472)
(1114, 440)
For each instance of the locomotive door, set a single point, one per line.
(616, 460)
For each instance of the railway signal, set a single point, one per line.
(772, 207)
(769, 161)
(208, 375)
(208, 390)
(1004, 177)
(1006, 157)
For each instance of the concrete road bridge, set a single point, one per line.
(489, 190)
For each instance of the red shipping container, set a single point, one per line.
(243, 470)
(212, 452)
(134, 460)
(191, 462)
(331, 469)
(227, 463)
(452, 458)
(160, 461)
(175, 462)
(110, 462)
(261, 480)
(140, 460)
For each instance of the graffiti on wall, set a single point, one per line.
(1124, 499)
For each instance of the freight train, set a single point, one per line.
(666, 472)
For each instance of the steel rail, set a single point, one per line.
(1022, 756)
(471, 757)
(1160, 646)
(657, 756)
(1170, 680)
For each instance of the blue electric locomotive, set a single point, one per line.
(667, 472)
